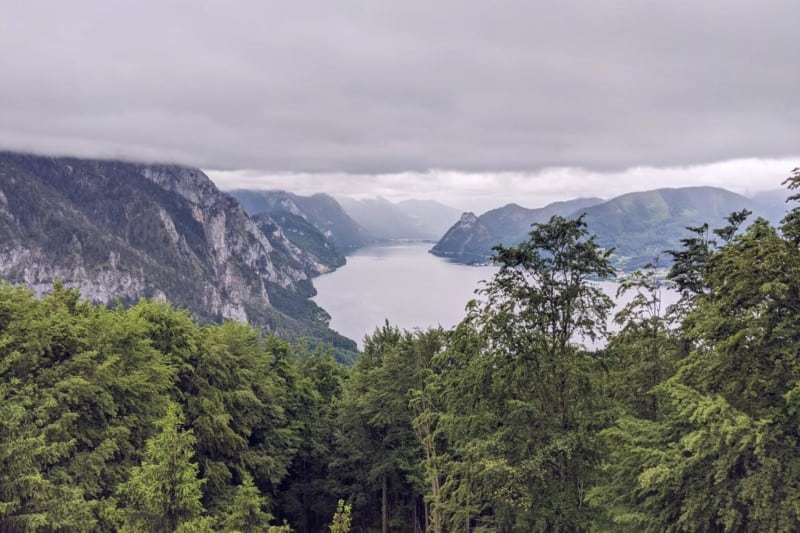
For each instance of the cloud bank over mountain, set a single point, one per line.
(393, 87)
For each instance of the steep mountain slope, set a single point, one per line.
(125, 230)
(409, 219)
(312, 247)
(320, 210)
(471, 239)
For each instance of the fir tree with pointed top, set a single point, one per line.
(164, 491)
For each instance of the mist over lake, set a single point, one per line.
(407, 286)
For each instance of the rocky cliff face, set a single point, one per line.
(125, 230)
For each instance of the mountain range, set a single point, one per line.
(118, 230)
(640, 226)
(350, 223)
(408, 219)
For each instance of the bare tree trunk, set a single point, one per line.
(384, 506)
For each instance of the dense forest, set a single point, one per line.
(138, 418)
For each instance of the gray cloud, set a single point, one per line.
(377, 87)
(480, 191)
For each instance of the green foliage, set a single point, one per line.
(164, 491)
(721, 454)
(381, 451)
(82, 390)
(341, 519)
(308, 496)
(790, 225)
(246, 513)
(519, 396)
(643, 352)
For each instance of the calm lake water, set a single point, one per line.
(407, 286)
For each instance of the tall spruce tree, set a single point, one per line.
(164, 491)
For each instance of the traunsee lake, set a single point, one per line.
(400, 282)
(407, 286)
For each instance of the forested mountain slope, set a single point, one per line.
(471, 239)
(640, 225)
(123, 230)
(320, 210)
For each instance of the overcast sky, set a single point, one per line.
(479, 102)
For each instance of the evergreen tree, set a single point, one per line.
(164, 491)
(246, 513)
(381, 451)
(308, 495)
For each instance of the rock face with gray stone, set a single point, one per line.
(119, 230)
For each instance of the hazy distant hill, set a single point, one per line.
(639, 225)
(432, 216)
(471, 239)
(773, 202)
(409, 219)
(320, 210)
(123, 230)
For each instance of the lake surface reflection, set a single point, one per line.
(407, 286)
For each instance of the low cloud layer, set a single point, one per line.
(376, 87)
(482, 191)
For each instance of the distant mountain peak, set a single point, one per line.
(468, 219)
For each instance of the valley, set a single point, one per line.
(152, 322)
(118, 230)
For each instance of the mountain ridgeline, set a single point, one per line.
(640, 226)
(471, 239)
(118, 230)
(320, 210)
